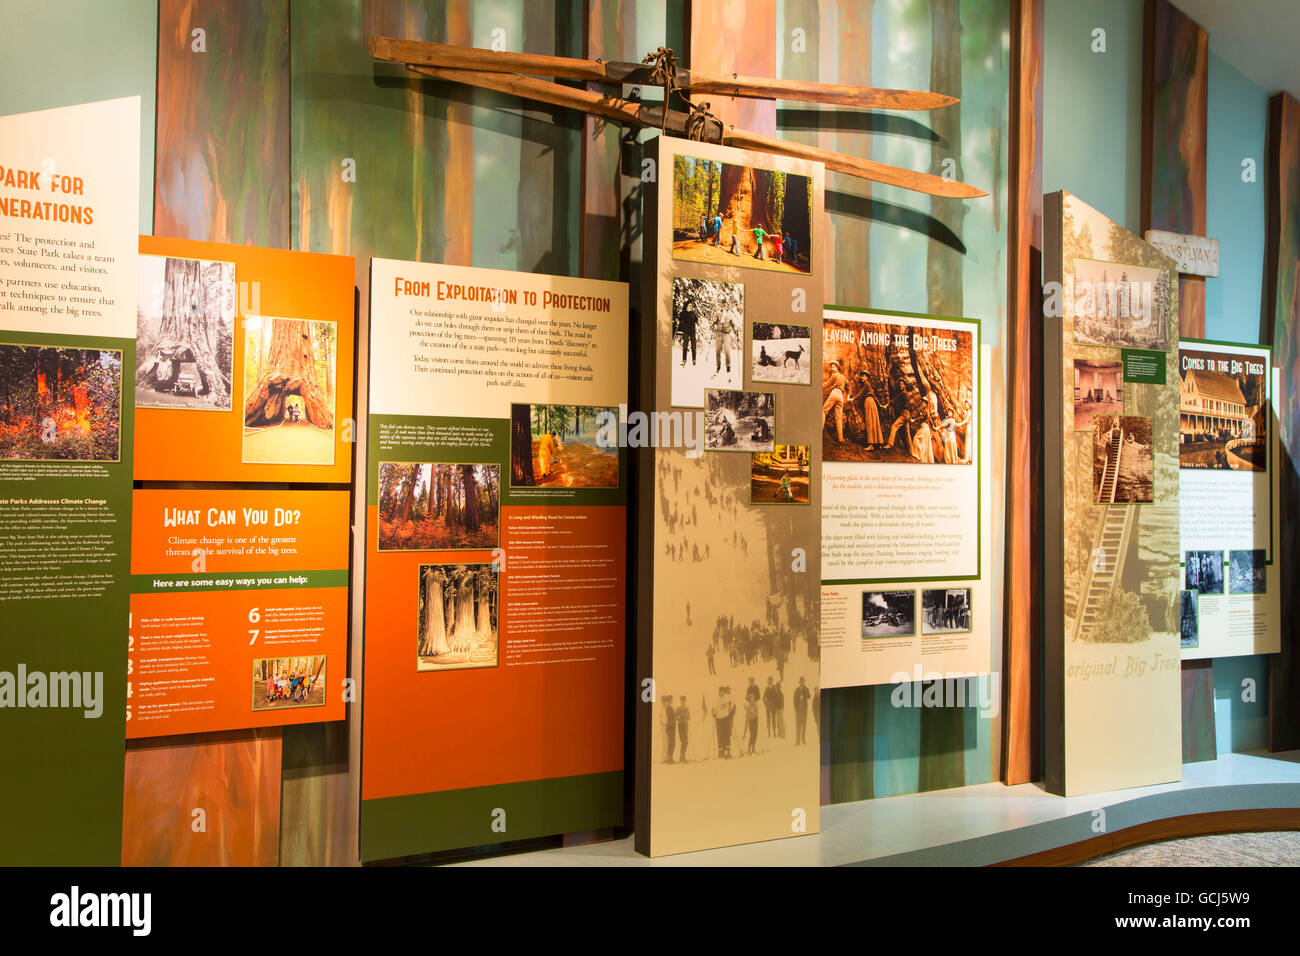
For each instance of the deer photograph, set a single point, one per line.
(780, 352)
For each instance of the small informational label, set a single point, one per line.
(1144, 367)
(1195, 255)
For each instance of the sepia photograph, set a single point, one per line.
(1189, 619)
(779, 353)
(888, 613)
(739, 421)
(1203, 571)
(708, 336)
(555, 446)
(780, 476)
(289, 381)
(185, 334)
(438, 507)
(60, 404)
(1223, 411)
(945, 611)
(1098, 390)
(1121, 306)
(458, 619)
(897, 393)
(284, 682)
(1247, 572)
(724, 214)
(1123, 467)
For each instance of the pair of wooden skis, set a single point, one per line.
(518, 74)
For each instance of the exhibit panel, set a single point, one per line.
(906, 499)
(496, 557)
(69, 214)
(727, 675)
(1110, 372)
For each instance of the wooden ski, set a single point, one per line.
(444, 56)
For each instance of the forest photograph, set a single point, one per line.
(554, 446)
(60, 403)
(726, 214)
(458, 619)
(428, 507)
(1121, 305)
(708, 334)
(185, 334)
(780, 476)
(739, 421)
(280, 682)
(781, 352)
(897, 393)
(290, 374)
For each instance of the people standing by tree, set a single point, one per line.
(837, 385)
(760, 234)
(717, 231)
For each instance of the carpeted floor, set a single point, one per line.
(1279, 848)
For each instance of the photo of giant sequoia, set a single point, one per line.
(897, 393)
(60, 403)
(732, 215)
(185, 334)
(289, 382)
(458, 623)
(428, 507)
(560, 446)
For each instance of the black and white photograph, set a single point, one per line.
(1120, 305)
(888, 614)
(1123, 467)
(779, 352)
(458, 622)
(1246, 572)
(739, 421)
(1203, 571)
(708, 338)
(185, 334)
(945, 611)
(1098, 390)
(1189, 619)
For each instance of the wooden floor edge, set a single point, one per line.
(1185, 825)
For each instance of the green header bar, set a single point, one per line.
(243, 581)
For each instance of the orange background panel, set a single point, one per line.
(231, 657)
(430, 731)
(321, 530)
(173, 444)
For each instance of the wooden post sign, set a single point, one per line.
(1195, 255)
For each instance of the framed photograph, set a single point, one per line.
(781, 476)
(779, 353)
(459, 619)
(1098, 390)
(556, 446)
(289, 379)
(280, 683)
(945, 611)
(739, 420)
(60, 404)
(1223, 411)
(1123, 468)
(425, 506)
(1203, 571)
(888, 614)
(1247, 572)
(1120, 305)
(708, 334)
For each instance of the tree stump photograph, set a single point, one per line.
(290, 374)
(185, 334)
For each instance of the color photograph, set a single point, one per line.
(730, 215)
(554, 446)
(888, 613)
(1120, 305)
(283, 682)
(739, 421)
(60, 404)
(428, 507)
(1123, 468)
(708, 335)
(897, 393)
(780, 353)
(1189, 619)
(289, 382)
(945, 611)
(458, 619)
(1098, 390)
(1203, 571)
(185, 334)
(1247, 572)
(780, 476)
(1223, 411)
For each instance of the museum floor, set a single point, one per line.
(991, 824)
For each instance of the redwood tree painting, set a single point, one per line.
(60, 403)
(185, 334)
(427, 507)
(289, 381)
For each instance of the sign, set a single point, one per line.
(1195, 255)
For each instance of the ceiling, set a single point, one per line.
(1258, 37)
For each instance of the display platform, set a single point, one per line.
(990, 824)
